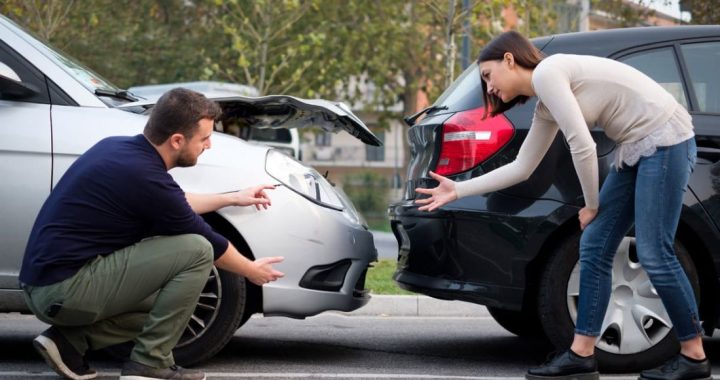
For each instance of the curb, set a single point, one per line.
(418, 306)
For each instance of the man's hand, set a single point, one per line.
(262, 272)
(259, 272)
(442, 194)
(586, 216)
(255, 195)
(203, 203)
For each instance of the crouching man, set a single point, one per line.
(119, 253)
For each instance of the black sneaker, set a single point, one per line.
(137, 371)
(61, 356)
(679, 368)
(566, 365)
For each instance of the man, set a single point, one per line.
(118, 251)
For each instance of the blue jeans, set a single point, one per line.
(650, 193)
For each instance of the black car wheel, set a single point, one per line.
(523, 323)
(220, 311)
(636, 333)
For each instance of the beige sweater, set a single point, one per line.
(574, 93)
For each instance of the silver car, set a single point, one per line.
(52, 109)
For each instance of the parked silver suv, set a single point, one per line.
(52, 109)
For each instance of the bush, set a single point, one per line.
(368, 191)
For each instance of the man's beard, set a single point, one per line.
(185, 159)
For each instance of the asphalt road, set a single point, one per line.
(327, 346)
(332, 346)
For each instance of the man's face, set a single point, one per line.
(193, 147)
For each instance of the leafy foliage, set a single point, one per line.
(704, 11)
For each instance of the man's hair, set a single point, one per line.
(179, 111)
(526, 55)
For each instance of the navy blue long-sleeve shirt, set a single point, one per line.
(116, 194)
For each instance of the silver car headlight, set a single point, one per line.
(309, 183)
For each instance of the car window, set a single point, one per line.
(27, 73)
(465, 93)
(266, 134)
(376, 153)
(702, 60)
(661, 66)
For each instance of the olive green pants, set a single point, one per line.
(144, 293)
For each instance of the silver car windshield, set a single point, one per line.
(88, 78)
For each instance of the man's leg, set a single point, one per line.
(106, 302)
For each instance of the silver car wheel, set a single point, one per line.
(636, 319)
(205, 312)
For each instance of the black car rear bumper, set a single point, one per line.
(479, 257)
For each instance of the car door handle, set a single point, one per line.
(710, 154)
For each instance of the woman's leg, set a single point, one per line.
(661, 183)
(598, 245)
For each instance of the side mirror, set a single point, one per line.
(11, 87)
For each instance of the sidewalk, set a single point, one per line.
(418, 306)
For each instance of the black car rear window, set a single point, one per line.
(465, 93)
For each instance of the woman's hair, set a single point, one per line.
(526, 55)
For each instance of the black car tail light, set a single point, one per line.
(468, 140)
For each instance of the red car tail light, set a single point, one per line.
(468, 140)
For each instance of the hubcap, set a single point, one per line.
(636, 319)
(206, 310)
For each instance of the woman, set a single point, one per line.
(655, 156)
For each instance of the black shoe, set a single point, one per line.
(137, 371)
(62, 356)
(566, 366)
(679, 368)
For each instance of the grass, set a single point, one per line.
(379, 224)
(379, 279)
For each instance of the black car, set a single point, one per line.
(516, 250)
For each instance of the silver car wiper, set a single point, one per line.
(120, 94)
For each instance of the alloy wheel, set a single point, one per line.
(206, 310)
(636, 319)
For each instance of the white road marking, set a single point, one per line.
(309, 375)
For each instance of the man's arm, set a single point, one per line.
(203, 203)
(259, 272)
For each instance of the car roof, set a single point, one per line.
(608, 42)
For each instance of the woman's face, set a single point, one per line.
(499, 78)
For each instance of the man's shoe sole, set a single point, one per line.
(49, 351)
(135, 377)
(579, 376)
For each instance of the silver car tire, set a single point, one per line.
(636, 334)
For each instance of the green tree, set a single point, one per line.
(703, 11)
(44, 17)
(130, 43)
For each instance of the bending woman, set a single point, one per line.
(655, 156)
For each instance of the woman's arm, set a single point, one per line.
(552, 87)
(533, 149)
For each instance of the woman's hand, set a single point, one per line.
(442, 194)
(586, 216)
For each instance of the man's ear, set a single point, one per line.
(177, 140)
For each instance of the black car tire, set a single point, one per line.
(523, 323)
(221, 319)
(557, 321)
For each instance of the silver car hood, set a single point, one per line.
(283, 111)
